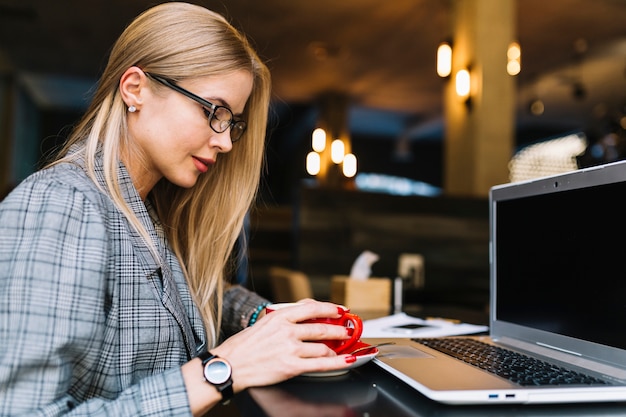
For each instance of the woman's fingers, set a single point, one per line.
(307, 310)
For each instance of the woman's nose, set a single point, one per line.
(221, 141)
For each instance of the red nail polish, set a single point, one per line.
(341, 311)
(350, 359)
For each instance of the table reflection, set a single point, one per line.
(337, 396)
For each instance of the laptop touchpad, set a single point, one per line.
(402, 352)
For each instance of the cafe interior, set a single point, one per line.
(390, 122)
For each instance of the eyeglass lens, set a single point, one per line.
(223, 119)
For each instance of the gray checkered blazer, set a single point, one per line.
(90, 324)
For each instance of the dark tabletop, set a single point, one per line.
(369, 391)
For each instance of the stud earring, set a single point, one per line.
(132, 108)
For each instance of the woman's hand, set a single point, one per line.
(278, 347)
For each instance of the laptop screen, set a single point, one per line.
(561, 262)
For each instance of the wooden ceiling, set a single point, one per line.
(380, 53)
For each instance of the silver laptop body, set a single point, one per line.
(558, 292)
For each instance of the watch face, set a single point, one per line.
(217, 371)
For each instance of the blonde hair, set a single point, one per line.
(202, 223)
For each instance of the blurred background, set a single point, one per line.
(378, 57)
(367, 71)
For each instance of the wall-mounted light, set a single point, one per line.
(463, 86)
(349, 165)
(514, 59)
(337, 149)
(318, 140)
(330, 142)
(313, 163)
(444, 59)
(462, 83)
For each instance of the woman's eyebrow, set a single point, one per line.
(223, 103)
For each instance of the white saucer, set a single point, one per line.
(361, 359)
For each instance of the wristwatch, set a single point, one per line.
(217, 372)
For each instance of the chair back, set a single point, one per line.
(289, 285)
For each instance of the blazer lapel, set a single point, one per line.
(157, 271)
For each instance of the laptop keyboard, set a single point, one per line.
(516, 367)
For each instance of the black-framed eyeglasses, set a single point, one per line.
(220, 117)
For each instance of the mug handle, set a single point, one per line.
(357, 330)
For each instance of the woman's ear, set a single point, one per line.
(131, 84)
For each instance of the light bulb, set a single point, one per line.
(313, 163)
(462, 83)
(337, 151)
(349, 165)
(444, 59)
(318, 141)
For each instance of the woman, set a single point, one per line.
(112, 259)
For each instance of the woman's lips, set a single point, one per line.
(202, 164)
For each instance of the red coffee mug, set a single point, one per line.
(348, 320)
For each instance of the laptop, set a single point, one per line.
(557, 294)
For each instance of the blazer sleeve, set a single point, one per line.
(239, 304)
(54, 259)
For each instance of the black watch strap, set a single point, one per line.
(225, 388)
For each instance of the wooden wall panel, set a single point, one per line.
(327, 229)
(335, 226)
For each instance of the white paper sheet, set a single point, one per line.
(387, 327)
